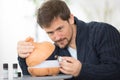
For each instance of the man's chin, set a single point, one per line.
(61, 46)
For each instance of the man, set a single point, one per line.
(91, 50)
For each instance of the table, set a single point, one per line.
(28, 77)
(59, 77)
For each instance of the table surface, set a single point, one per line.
(58, 77)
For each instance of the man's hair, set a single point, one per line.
(50, 10)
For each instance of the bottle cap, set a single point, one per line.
(19, 74)
(5, 65)
(15, 65)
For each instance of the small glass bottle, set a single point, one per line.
(15, 70)
(5, 70)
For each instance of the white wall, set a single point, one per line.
(97, 10)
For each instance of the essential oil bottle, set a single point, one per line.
(5, 70)
(15, 70)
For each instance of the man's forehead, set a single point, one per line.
(52, 29)
(55, 24)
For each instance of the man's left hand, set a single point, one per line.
(70, 65)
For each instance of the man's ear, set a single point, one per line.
(71, 19)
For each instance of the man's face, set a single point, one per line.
(60, 31)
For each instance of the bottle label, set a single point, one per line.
(5, 73)
(15, 73)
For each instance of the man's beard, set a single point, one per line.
(58, 43)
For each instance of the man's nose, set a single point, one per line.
(56, 36)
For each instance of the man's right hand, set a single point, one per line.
(24, 48)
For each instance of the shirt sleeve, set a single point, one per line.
(23, 66)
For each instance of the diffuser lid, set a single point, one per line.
(40, 53)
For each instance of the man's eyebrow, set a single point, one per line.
(59, 27)
(55, 29)
(49, 31)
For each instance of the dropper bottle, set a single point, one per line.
(15, 70)
(5, 70)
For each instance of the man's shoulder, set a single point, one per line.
(100, 26)
(95, 25)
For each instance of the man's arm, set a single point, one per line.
(23, 66)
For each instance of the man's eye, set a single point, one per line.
(50, 33)
(60, 28)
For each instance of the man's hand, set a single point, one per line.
(24, 48)
(70, 65)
